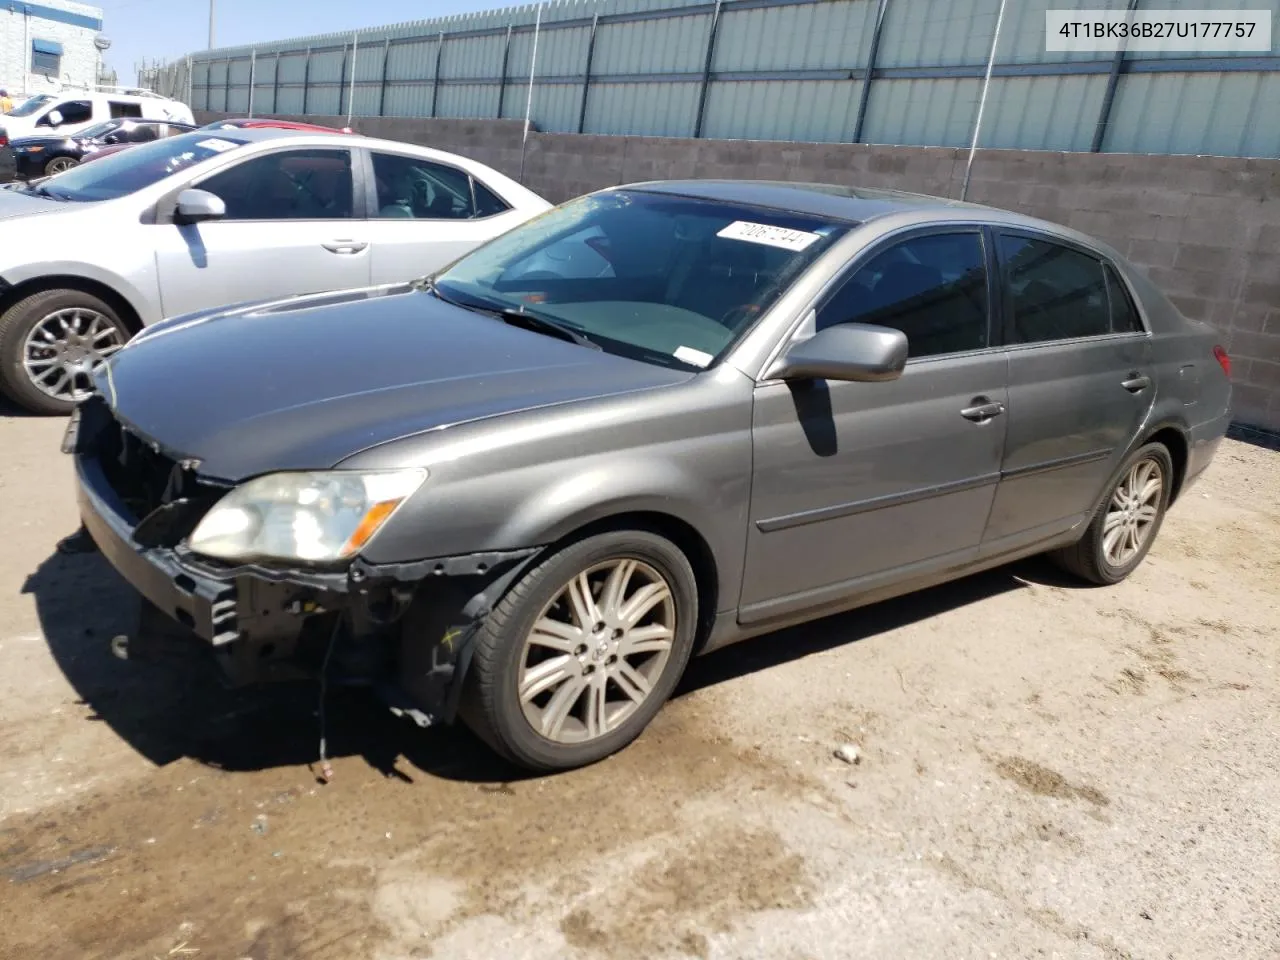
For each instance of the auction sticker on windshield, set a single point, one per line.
(689, 355)
(218, 146)
(768, 234)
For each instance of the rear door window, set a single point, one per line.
(1054, 292)
(415, 188)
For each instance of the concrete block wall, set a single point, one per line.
(1207, 229)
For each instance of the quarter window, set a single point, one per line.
(1124, 317)
(932, 288)
(413, 188)
(291, 185)
(1055, 292)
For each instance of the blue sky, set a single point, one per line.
(171, 28)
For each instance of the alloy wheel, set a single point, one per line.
(64, 349)
(58, 165)
(1132, 512)
(597, 650)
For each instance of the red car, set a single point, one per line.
(242, 122)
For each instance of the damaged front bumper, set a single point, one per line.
(403, 628)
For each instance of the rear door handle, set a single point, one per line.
(344, 246)
(982, 410)
(1136, 383)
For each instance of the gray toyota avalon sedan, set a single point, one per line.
(646, 424)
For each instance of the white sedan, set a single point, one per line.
(204, 219)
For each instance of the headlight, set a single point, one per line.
(303, 516)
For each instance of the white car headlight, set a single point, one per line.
(315, 517)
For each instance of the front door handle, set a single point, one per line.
(982, 410)
(1136, 383)
(344, 246)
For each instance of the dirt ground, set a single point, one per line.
(1045, 770)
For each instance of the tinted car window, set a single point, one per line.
(290, 185)
(409, 187)
(1055, 292)
(125, 109)
(665, 279)
(1124, 316)
(73, 111)
(131, 170)
(932, 288)
(488, 203)
(142, 133)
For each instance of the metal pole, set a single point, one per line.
(351, 87)
(253, 64)
(190, 83)
(306, 80)
(869, 73)
(586, 73)
(706, 70)
(435, 84)
(212, 5)
(528, 103)
(982, 103)
(275, 85)
(1109, 93)
(382, 92)
(502, 83)
(342, 72)
(226, 88)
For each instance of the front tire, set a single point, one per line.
(583, 650)
(1126, 521)
(50, 344)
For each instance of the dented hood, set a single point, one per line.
(307, 382)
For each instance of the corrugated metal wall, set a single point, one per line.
(874, 71)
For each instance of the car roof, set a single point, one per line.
(858, 205)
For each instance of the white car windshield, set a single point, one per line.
(30, 105)
(123, 173)
(667, 279)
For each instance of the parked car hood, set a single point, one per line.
(19, 203)
(307, 382)
(42, 141)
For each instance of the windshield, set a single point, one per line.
(129, 170)
(666, 279)
(30, 106)
(99, 129)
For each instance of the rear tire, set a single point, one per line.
(1125, 522)
(93, 331)
(573, 692)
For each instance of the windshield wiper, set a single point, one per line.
(514, 316)
(535, 321)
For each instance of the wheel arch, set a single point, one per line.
(125, 309)
(683, 534)
(1173, 437)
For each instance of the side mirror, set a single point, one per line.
(196, 206)
(54, 117)
(845, 351)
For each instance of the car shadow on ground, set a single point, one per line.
(172, 704)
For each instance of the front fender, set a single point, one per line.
(140, 292)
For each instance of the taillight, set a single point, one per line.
(4, 141)
(1223, 360)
